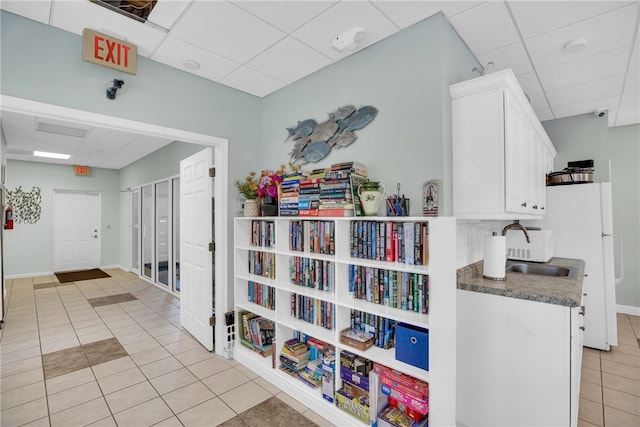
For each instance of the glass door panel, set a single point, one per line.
(135, 231)
(163, 238)
(147, 231)
(176, 234)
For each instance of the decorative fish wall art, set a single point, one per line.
(313, 141)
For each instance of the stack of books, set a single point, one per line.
(309, 198)
(294, 358)
(336, 193)
(289, 193)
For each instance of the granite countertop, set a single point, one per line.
(546, 289)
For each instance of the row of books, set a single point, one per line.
(406, 242)
(289, 193)
(403, 290)
(312, 273)
(312, 236)
(257, 332)
(381, 328)
(262, 233)
(260, 294)
(262, 264)
(313, 310)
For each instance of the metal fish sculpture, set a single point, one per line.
(362, 117)
(323, 131)
(341, 113)
(314, 141)
(302, 130)
(342, 140)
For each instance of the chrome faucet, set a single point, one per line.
(518, 226)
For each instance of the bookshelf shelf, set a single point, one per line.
(336, 235)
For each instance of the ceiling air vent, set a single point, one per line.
(134, 9)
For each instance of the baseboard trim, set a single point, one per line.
(628, 309)
(21, 275)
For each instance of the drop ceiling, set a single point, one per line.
(571, 57)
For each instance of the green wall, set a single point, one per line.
(625, 183)
(406, 77)
(29, 247)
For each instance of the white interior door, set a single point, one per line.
(196, 275)
(76, 231)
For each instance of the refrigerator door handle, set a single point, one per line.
(619, 251)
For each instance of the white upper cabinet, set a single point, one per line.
(501, 153)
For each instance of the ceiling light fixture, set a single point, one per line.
(575, 45)
(349, 39)
(52, 155)
(191, 64)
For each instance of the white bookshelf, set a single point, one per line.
(441, 320)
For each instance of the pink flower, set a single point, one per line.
(268, 184)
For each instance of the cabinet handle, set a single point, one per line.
(524, 204)
(542, 207)
(535, 206)
(585, 294)
(582, 328)
(583, 310)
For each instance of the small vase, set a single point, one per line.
(269, 206)
(251, 207)
(371, 195)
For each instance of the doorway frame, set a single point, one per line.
(221, 183)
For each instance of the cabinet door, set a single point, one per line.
(577, 335)
(517, 160)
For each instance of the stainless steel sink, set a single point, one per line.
(542, 270)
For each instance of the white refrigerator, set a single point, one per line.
(581, 218)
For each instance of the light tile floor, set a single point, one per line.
(610, 381)
(152, 373)
(168, 379)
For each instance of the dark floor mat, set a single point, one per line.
(272, 412)
(76, 276)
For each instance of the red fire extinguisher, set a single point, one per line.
(8, 219)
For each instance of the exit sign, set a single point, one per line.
(81, 170)
(109, 52)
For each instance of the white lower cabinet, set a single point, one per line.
(518, 361)
(268, 252)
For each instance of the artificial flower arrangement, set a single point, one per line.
(249, 186)
(268, 183)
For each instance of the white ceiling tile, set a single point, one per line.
(289, 60)
(405, 13)
(537, 17)
(632, 83)
(173, 52)
(286, 15)
(627, 117)
(17, 125)
(630, 100)
(607, 64)
(65, 16)
(253, 82)
(529, 82)
(20, 141)
(584, 92)
(634, 63)
(544, 115)
(319, 32)
(211, 25)
(603, 33)
(35, 10)
(486, 27)
(538, 101)
(610, 103)
(166, 13)
(512, 56)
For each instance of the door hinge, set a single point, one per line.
(212, 246)
(212, 172)
(212, 321)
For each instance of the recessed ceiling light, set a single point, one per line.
(52, 155)
(191, 64)
(575, 45)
